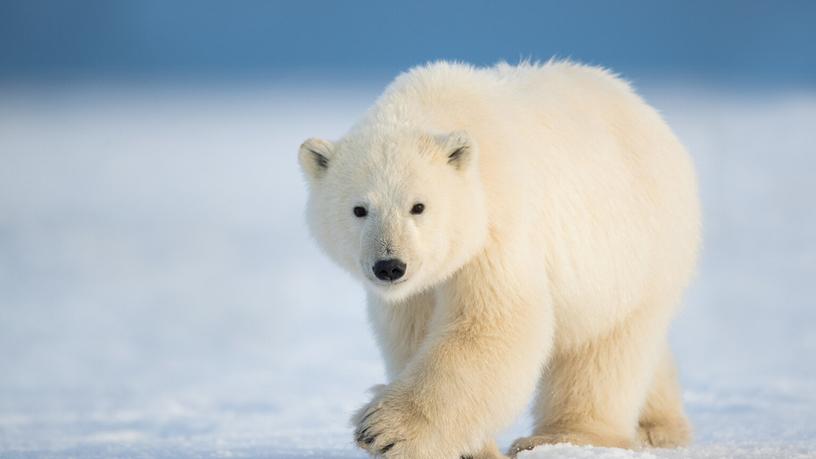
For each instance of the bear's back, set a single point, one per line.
(605, 188)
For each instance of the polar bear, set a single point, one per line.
(516, 228)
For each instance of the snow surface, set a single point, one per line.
(159, 296)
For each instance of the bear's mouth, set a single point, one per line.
(382, 283)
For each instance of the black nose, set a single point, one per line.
(389, 270)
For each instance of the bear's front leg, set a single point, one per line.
(475, 372)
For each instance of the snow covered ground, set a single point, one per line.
(159, 296)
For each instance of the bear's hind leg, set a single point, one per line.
(663, 423)
(593, 394)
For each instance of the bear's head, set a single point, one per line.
(400, 212)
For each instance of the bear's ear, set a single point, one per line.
(314, 157)
(459, 149)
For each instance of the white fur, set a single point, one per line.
(552, 252)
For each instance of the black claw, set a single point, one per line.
(366, 440)
(386, 448)
(363, 437)
(361, 434)
(465, 457)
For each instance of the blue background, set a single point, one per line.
(731, 41)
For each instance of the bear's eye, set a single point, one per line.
(418, 208)
(360, 212)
